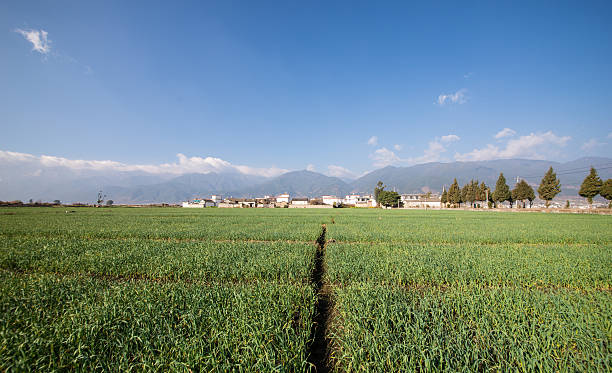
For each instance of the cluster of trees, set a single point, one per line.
(384, 197)
(549, 187)
(593, 185)
(473, 193)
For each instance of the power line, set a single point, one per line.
(574, 171)
(582, 168)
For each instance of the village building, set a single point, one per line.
(299, 201)
(265, 202)
(238, 203)
(365, 201)
(331, 200)
(283, 198)
(199, 203)
(351, 199)
(420, 201)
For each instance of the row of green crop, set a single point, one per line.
(459, 265)
(427, 290)
(381, 329)
(347, 225)
(162, 223)
(196, 261)
(50, 323)
(452, 227)
(470, 291)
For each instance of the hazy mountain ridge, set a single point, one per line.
(48, 185)
(183, 188)
(298, 184)
(434, 176)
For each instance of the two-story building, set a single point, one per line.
(199, 203)
(420, 200)
(331, 200)
(283, 198)
(299, 201)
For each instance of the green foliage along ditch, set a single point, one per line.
(476, 291)
(170, 289)
(161, 289)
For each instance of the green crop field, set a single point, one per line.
(171, 289)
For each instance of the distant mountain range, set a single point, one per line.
(146, 188)
(433, 176)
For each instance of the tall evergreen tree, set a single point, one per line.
(472, 194)
(482, 192)
(515, 195)
(590, 186)
(379, 188)
(502, 190)
(522, 192)
(464, 193)
(606, 191)
(444, 198)
(454, 193)
(530, 195)
(549, 186)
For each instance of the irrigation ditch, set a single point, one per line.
(319, 349)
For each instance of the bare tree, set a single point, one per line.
(101, 197)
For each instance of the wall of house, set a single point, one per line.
(311, 206)
(192, 205)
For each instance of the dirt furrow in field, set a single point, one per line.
(319, 349)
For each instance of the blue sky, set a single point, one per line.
(339, 87)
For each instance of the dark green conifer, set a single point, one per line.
(549, 186)
(502, 190)
(606, 191)
(590, 186)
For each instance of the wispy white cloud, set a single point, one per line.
(592, 144)
(458, 97)
(384, 157)
(373, 141)
(339, 171)
(38, 38)
(397, 147)
(610, 135)
(433, 153)
(310, 167)
(449, 138)
(506, 132)
(183, 165)
(42, 44)
(13, 157)
(532, 146)
(468, 75)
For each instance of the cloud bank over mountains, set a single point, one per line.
(533, 146)
(26, 176)
(507, 145)
(183, 165)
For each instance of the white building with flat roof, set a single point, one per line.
(199, 203)
(330, 200)
(420, 201)
(283, 198)
(299, 201)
